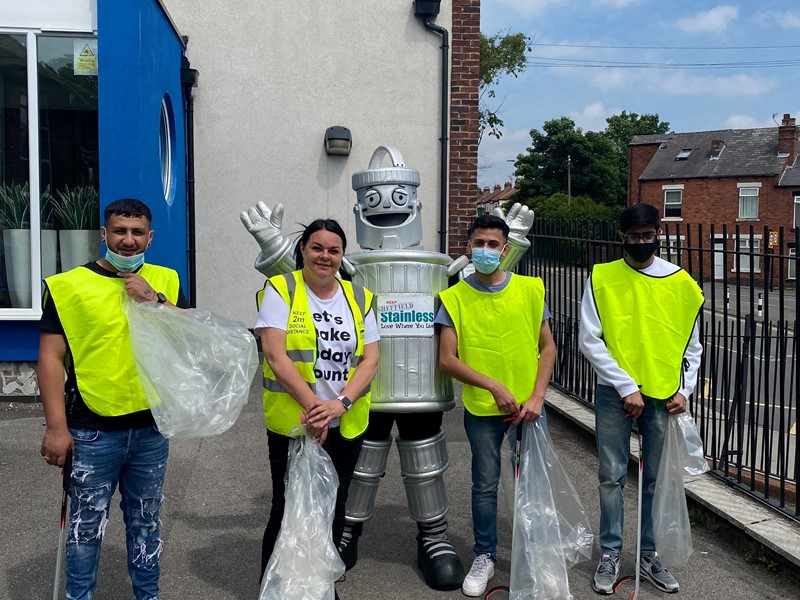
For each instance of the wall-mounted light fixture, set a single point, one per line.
(426, 8)
(338, 141)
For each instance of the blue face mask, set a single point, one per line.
(125, 264)
(486, 260)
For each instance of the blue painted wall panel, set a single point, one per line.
(139, 57)
(19, 340)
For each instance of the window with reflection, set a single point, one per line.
(15, 251)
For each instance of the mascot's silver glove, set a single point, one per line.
(276, 249)
(519, 220)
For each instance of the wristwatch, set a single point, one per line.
(348, 404)
(162, 299)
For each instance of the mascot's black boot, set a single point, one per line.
(348, 546)
(437, 558)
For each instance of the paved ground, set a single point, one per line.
(216, 508)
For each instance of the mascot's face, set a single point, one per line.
(387, 210)
(389, 205)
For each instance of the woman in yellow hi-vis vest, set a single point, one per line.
(320, 342)
(639, 331)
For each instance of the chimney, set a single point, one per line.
(496, 187)
(486, 189)
(787, 138)
(716, 148)
(507, 185)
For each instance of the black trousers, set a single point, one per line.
(344, 454)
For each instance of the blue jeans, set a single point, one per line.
(486, 436)
(136, 459)
(613, 447)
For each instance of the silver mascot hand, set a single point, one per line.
(264, 225)
(519, 220)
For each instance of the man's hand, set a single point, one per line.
(677, 405)
(263, 224)
(138, 288)
(531, 410)
(504, 399)
(519, 220)
(634, 404)
(55, 445)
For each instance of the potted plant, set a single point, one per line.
(15, 218)
(78, 212)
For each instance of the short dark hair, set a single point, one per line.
(639, 214)
(331, 225)
(127, 207)
(488, 221)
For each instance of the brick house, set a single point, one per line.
(720, 180)
(491, 198)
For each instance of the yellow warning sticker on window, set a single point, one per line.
(84, 55)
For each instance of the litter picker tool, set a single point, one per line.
(66, 473)
(636, 578)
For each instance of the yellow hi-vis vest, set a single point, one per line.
(281, 411)
(89, 306)
(498, 336)
(647, 323)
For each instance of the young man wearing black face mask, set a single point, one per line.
(639, 331)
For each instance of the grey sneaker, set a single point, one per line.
(652, 570)
(606, 575)
(479, 575)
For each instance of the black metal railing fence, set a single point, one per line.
(746, 400)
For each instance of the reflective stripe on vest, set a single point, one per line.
(89, 306)
(498, 336)
(647, 323)
(281, 411)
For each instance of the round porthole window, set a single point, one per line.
(166, 147)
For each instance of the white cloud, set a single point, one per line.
(783, 20)
(747, 122)
(680, 83)
(614, 3)
(494, 156)
(715, 20)
(592, 118)
(526, 8)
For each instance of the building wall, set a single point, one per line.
(273, 77)
(466, 53)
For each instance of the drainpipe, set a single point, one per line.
(443, 137)
(188, 81)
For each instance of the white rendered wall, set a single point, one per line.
(66, 15)
(273, 77)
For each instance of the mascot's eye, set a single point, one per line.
(372, 198)
(400, 197)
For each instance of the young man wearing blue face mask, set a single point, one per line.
(496, 339)
(100, 413)
(639, 331)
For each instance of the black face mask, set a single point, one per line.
(641, 253)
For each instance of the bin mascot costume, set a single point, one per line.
(408, 390)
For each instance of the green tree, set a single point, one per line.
(501, 55)
(563, 156)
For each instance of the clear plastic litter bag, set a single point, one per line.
(195, 367)
(671, 527)
(551, 531)
(693, 458)
(305, 564)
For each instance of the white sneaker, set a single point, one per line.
(479, 575)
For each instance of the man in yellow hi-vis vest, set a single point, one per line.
(100, 414)
(639, 331)
(495, 338)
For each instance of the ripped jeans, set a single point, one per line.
(136, 459)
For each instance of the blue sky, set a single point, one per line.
(654, 32)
